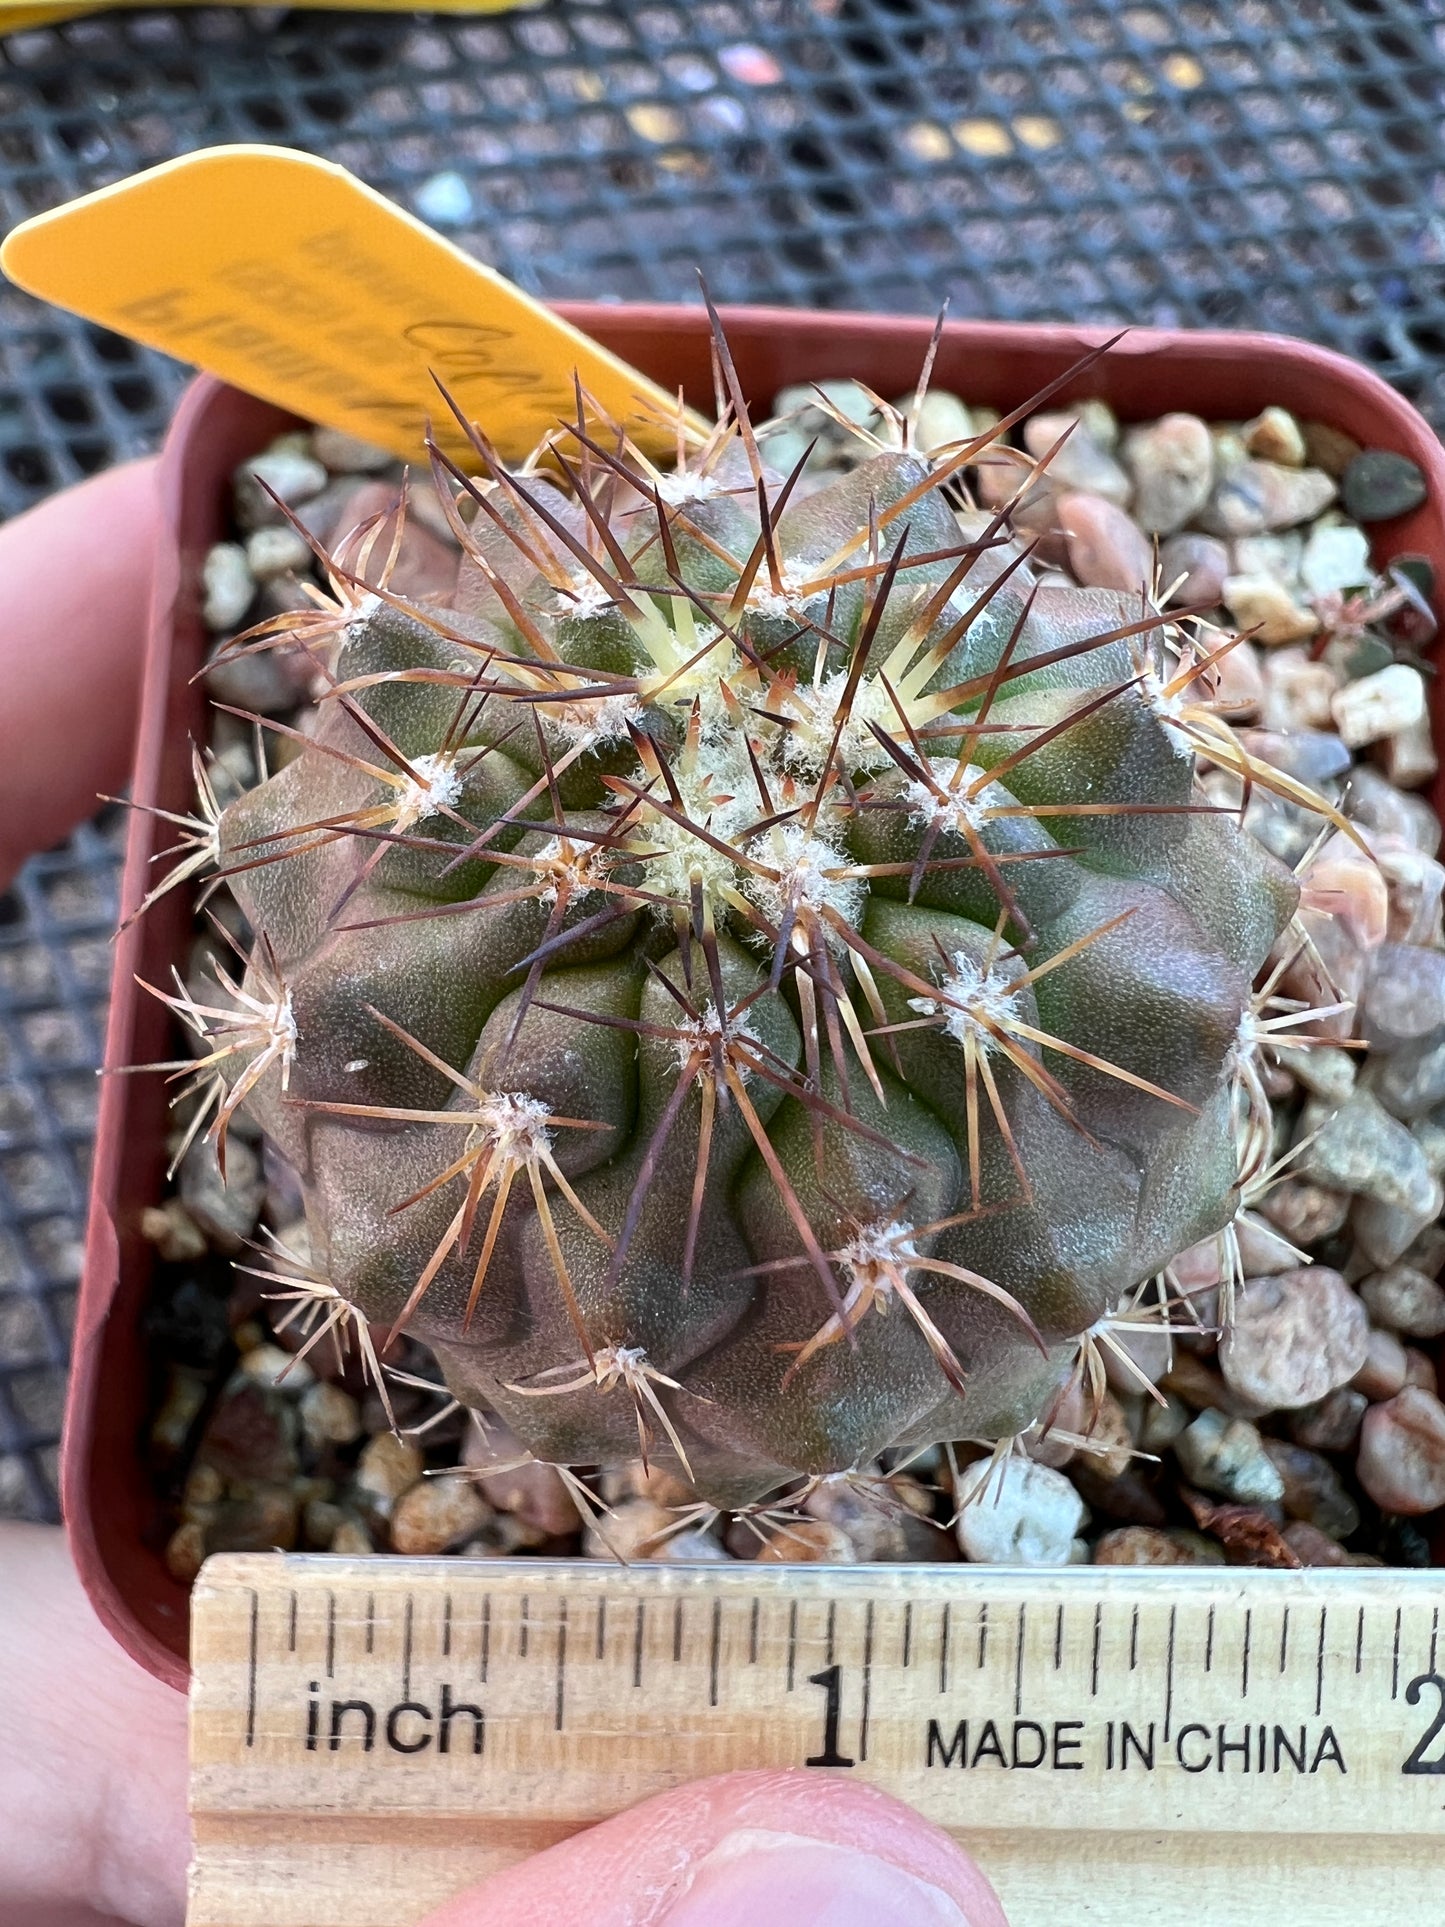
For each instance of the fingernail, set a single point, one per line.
(756, 1878)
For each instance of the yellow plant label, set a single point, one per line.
(290, 278)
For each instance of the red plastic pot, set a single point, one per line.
(112, 1513)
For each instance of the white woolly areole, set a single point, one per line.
(815, 707)
(787, 599)
(970, 998)
(436, 786)
(596, 721)
(581, 867)
(878, 1253)
(361, 615)
(585, 596)
(514, 1124)
(1154, 694)
(710, 1028)
(1248, 1036)
(687, 485)
(953, 810)
(803, 882)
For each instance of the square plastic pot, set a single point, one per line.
(112, 1512)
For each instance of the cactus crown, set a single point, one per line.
(755, 972)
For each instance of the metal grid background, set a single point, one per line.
(1260, 163)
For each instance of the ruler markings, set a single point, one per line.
(1320, 1664)
(637, 1636)
(251, 1669)
(867, 1681)
(562, 1666)
(714, 1646)
(1019, 1661)
(676, 1632)
(1169, 1674)
(268, 1728)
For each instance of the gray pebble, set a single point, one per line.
(1312, 1489)
(226, 1209)
(1385, 1232)
(1172, 463)
(1226, 1456)
(1411, 1085)
(1361, 1148)
(1331, 1424)
(276, 552)
(1378, 485)
(1404, 1002)
(1405, 1300)
(347, 454)
(289, 474)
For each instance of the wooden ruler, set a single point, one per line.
(1214, 1746)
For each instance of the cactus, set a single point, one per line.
(756, 974)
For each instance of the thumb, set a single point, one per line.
(769, 1849)
(77, 573)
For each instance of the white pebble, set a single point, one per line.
(228, 584)
(942, 419)
(1265, 607)
(1017, 1514)
(276, 552)
(1336, 557)
(1385, 704)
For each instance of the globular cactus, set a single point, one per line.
(757, 970)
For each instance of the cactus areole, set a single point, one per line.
(756, 972)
